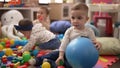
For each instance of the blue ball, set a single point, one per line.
(2, 53)
(81, 53)
(35, 52)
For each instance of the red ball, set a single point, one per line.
(60, 67)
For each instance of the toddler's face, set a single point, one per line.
(78, 18)
(42, 14)
(26, 33)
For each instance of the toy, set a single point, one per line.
(46, 64)
(4, 59)
(26, 57)
(2, 53)
(1, 47)
(60, 64)
(81, 53)
(8, 20)
(8, 51)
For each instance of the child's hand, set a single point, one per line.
(97, 45)
(59, 59)
(19, 52)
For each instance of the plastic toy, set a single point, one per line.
(61, 65)
(14, 2)
(8, 51)
(46, 64)
(35, 52)
(26, 57)
(2, 53)
(1, 47)
(4, 59)
(8, 20)
(81, 53)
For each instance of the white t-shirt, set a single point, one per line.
(39, 34)
(73, 33)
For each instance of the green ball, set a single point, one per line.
(26, 57)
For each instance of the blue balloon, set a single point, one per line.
(81, 53)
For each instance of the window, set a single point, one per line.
(5, 0)
(49, 1)
(44, 1)
(58, 1)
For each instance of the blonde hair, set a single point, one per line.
(80, 6)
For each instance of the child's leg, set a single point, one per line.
(52, 44)
(51, 58)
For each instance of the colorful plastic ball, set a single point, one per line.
(46, 65)
(81, 53)
(23, 42)
(17, 42)
(12, 41)
(2, 53)
(8, 51)
(1, 47)
(35, 52)
(60, 36)
(26, 57)
(2, 43)
(24, 38)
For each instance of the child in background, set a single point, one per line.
(37, 34)
(43, 17)
(79, 16)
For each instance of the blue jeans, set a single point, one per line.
(52, 44)
(52, 57)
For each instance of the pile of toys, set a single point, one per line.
(9, 56)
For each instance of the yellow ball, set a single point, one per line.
(26, 52)
(1, 47)
(5, 39)
(46, 65)
(12, 41)
(8, 51)
(20, 47)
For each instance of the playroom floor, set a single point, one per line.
(115, 65)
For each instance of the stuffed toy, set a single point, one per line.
(8, 20)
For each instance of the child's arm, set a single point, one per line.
(61, 57)
(30, 44)
(97, 44)
(93, 38)
(63, 46)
